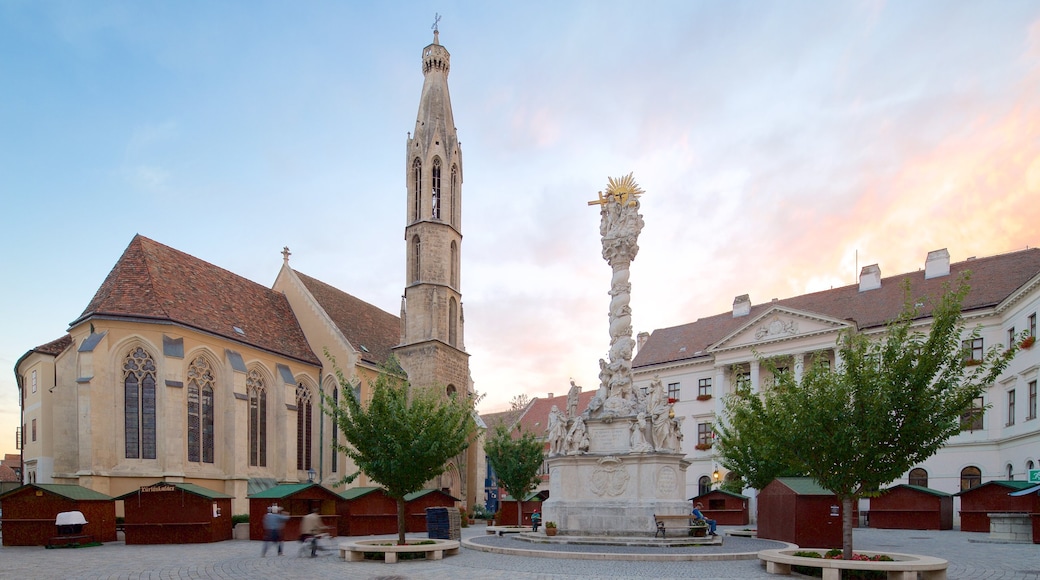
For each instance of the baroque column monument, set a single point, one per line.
(620, 462)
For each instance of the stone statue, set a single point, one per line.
(637, 437)
(577, 437)
(572, 399)
(557, 431)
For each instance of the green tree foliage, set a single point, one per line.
(403, 437)
(890, 403)
(516, 461)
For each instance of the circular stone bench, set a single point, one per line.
(903, 566)
(355, 551)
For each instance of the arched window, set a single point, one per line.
(416, 252)
(703, 485)
(304, 417)
(335, 431)
(918, 477)
(256, 390)
(139, 404)
(1010, 472)
(1029, 465)
(453, 194)
(971, 477)
(200, 411)
(416, 189)
(453, 321)
(450, 390)
(436, 199)
(454, 265)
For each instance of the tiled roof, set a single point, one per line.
(55, 347)
(993, 279)
(8, 474)
(12, 460)
(371, 330)
(536, 419)
(507, 418)
(156, 282)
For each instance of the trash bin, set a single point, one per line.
(443, 523)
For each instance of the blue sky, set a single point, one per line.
(781, 144)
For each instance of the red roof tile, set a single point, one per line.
(155, 282)
(536, 419)
(993, 279)
(371, 330)
(55, 347)
(8, 474)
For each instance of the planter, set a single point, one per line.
(699, 531)
(703, 397)
(550, 531)
(1028, 341)
(702, 446)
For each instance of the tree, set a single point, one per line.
(516, 462)
(404, 437)
(518, 402)
(891, 403)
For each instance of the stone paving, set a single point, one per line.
(970, 557)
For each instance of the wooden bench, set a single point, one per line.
(903, 566)
(686, 522)
(355, 551)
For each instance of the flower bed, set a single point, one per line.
(815, 563)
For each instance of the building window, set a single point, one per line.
(416, 253)
(416, 190)
(704, 387)
(453, 194)
(1032, 324)
(704, 434)
(1011, 337)
(256, 390)
(1010, 472)
(454, 265)
(1011, 407)
(972, 349)
(34, 381)
(453, 321)
(139, 404)
(436, 205)
(971, 420)
(703, 485)
(919, 477)
(673, 391)
(1031, 403)
(1029, 466)
(34, 429)
(335, 430)
(743, 381)
(200, 411)
(304, 418)
(970, 477)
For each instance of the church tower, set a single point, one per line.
(432, 351)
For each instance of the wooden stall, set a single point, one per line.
(992, 497)
(296, 499)
(798, 510)
(415, 505)
(176, 513)
(508, 506)
(912, 507)
(367, 511)
(725, 507)
(30, 511)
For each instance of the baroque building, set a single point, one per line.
(702, 361)
(178, 370)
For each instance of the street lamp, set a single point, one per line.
(310, 475)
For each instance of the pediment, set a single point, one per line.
(778, 324)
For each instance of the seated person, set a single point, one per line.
(697, 514)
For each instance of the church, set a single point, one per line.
(178, 370)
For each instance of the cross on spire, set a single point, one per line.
(286, 253)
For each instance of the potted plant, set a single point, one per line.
(699, 528)
(703, 397)
(702, 446)
(1028, 341)
(550, 528)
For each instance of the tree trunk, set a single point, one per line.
(402, 523)
(519, 514)
(846, 527)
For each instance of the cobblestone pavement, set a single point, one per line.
(969, 555)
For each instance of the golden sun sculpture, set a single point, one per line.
(623, 190)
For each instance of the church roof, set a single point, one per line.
(372, 331)
(55, 347)
(993, 279)
(158, 283)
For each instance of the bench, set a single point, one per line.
(70, 540)
(501, 530)
(686, 522)
(903, 566)
(355, 551)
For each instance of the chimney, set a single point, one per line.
(937, 264)
(869, 278)
(641, 339)
(741, 305)
(550, 396)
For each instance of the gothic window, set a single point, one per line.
(436, 205)
(971, 477)
(453, 194)
(453, 324)
(919, 477)
(454, 265)
(416, 247)
(256, 390)
(335, 430)
(139, 404)
(703, 485)
(200, 411)
(416, 189)
(304, 418)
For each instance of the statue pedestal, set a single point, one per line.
(611, 492)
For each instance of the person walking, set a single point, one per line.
(310, 529)
(274, 523)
